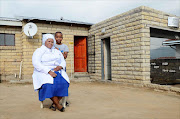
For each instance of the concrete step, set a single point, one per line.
(25, 81)
(81, 80)
(81, 75)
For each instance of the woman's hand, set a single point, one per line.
(52, 74)
(58, 68)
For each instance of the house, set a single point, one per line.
(116, 49)
(16, 48)
(121, 46)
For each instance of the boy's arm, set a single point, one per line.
(56, 48)
(62, 65)
(65, 54)
(66, 51)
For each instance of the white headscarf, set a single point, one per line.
(47, 36)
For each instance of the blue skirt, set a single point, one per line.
(59, 88)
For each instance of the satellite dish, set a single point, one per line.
(30, 29)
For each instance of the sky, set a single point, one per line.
(90, 11)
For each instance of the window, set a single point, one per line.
(7, 39)
(165, 56)
(161, 51)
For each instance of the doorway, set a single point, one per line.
(80, 54)
(106, 59)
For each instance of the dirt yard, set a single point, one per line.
(90, 100)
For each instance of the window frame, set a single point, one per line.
(5, 39)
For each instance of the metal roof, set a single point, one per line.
(62, 20)
(9, 19)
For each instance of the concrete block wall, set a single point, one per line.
(130, 43)
(10, 56)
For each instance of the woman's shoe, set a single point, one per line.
(62, 109)
(52, 107)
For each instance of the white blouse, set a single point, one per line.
(44, 60)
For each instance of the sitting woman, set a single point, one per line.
(49, 76)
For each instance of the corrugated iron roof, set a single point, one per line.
(20, 18)
(9, 19)
(61, 20)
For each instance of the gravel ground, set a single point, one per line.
(90, 100)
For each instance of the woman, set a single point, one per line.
(49, 76)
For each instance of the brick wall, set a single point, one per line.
(10, 56)
(30, 45)
(130, 43)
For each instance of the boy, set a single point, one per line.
(59, 45)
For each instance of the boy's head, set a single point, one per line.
(58, 37)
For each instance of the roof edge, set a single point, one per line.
(62, 20)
